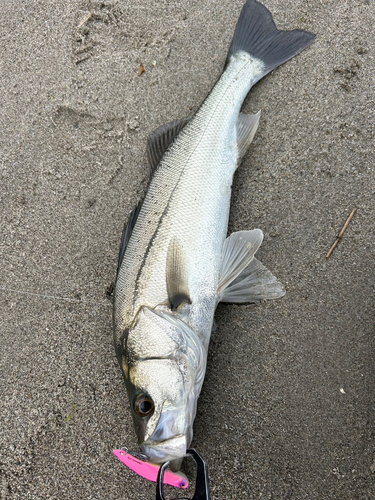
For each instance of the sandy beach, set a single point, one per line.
(287, 410)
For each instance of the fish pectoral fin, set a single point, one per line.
(160, 140)
(247, 125)
(176, 275)
(243, 278)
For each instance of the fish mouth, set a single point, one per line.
(165, 451)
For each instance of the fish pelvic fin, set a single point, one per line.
(257, 34)
(243, 278)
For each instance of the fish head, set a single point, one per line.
(165, 369)
(161, 410)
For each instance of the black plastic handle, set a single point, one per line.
(202, 487)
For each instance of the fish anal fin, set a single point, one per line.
(160, 140)
(176, 275)
(247, 125)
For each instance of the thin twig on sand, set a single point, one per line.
(341, 233)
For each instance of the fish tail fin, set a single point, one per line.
(256, 34)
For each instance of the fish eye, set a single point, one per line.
(143, 405)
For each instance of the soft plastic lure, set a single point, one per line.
(150, 471)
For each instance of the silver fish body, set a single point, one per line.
(177, 263)
(188, 199)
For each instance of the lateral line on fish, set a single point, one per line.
(54, 297)
(149, 246)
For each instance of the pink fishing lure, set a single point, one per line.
(150, 471)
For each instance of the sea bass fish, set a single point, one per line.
(176, 262)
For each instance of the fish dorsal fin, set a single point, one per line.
(246, 127)
(126, 233)
(176, 275)
(243, 278)
(160, 140)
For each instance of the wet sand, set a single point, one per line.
(287, 407)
